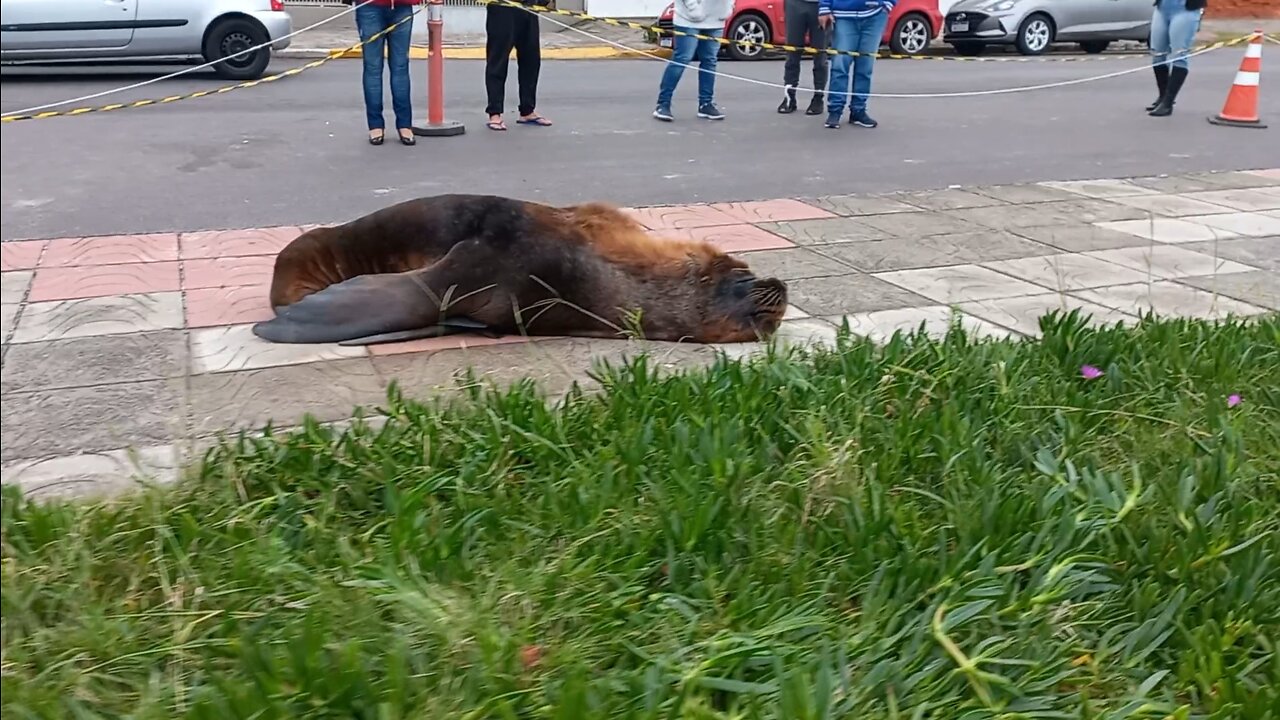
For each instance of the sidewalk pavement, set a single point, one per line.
(340, 35)
(143, 342)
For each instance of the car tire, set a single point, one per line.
(231, 35)
(1093, 47)
(1035, 34)
(969, 48)
(748, 26)
(911, 35)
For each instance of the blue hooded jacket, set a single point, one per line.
(854, 8)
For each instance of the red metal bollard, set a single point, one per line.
(436, 125)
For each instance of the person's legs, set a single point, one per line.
(371, 20)
(398, 63)
(1159, 43)
(708, 51)
(818, 39)
(794, 19)
(869, 33)
(528, 45)
(1183, 25)
(843, 39)
(499, 39)
(681, 54)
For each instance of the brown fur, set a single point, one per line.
(512, 266)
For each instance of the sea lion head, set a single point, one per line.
(740, 307)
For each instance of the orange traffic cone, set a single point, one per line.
(1241, 107)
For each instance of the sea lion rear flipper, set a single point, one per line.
(449, 326)
(362, 307)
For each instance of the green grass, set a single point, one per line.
(932, 529)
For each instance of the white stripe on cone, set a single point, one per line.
(1249, 79)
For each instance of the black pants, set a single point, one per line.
(802, 17)
(509, 27)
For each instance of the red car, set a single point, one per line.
(913, 24)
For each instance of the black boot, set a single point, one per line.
(788, 102)
(815, 105)
(1165, 107)
(1162, 83)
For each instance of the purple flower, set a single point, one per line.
(1089, 372)
(1233, 400)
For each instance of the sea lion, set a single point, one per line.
(456, 263)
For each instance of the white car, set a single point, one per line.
(52, 30)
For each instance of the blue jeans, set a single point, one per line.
(685, 50)
(1173, 30)
(371, 19)
(860, 35)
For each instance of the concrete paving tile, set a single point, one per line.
(1262, 252)
(771, 211)
(1067, 272)
(848, 294)
(228, 272)
(1021, 194)
(792, 264)
(732, 238)
(460, 341)
(1168, 299)
(69, 283)
(13, 286)
(879, 326)
(1163, 262)
(226, 349)
(1238, 179)
(1022, 314)
(21, 255)
(948, 199)
(794, 313)
(857, 205)
(1240, 223)
(1248, 200)
(228, 243)
(99, 316)
(209, 307)
(1271, 213)
(1171, 205)
(933, 251)
(959, 283)
(1270, 174)
(8, 319)
(1167, 230)
(71, 420)
(682, 217)
(96, 474)
(283, 395)
(1081, 238)
(1066, 212)
(1257, 287)
(1104, 188)
(822, 232)
(111, 250)
(1177, 183)
(918, 225)
(96, 360)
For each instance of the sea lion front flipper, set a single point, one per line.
(448, 326)
(362, 307)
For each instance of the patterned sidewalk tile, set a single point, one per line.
(100, 473)
(70, 283)
(145, 341)
(113, 250)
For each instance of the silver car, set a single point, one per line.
(51, 30)
(1032, 25)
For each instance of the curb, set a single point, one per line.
(590, 52)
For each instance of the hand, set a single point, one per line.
(824, 21)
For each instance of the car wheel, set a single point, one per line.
(1034, 34)
(969, 49)
(1093, 47)
(231, 36)
(752, 28)
(911, 35)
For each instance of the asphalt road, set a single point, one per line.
(294, 152)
